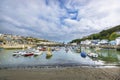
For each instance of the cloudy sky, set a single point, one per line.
(59, 20)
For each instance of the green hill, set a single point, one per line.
(109, 34)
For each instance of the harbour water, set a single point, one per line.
(59, 58)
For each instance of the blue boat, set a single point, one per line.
(83, 54)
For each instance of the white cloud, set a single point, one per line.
(58, 19)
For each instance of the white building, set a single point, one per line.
(0, 34)
(73, 44)
(86, 42)
(103, 42)
(118, 41)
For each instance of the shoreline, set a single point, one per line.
(59, 67)
(76, 73)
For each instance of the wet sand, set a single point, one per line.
(78, 73)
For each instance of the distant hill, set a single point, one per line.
(109, 34)
(17, 39)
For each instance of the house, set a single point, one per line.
(103, 42)
(0, 34)
(118, 32)
(74, 44)
(113, 42)
(95, 42)
(118, 41)
(86, 42)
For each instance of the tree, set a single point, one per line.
(113, 36)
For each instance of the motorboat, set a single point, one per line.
(93, 55)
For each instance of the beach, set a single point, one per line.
(69, 73)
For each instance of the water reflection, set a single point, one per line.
(109, 56)
(48, 56)
(60, 56)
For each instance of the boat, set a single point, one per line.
(93, 55)
(49, 53)
(57, 49)
(16, 53)
(83, 54)
(37, 53)
(42, 49)
(28, 54)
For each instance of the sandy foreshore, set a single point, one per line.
(77, 73)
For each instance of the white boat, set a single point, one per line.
(93, 55)
(37, 52)
(27, 54)
(16, 53)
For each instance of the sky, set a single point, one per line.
(58, 20)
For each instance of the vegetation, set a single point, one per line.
(113, 36)
(109, 34)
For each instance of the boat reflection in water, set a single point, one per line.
(38, 57)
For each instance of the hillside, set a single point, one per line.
(17, 40)
(109, 34)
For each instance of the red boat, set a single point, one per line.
(28, 54)
(42, 49)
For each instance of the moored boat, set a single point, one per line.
(83, 54)
(28, 54)
(93, 55)
(16, 53)
(37, 53)
(49, 53)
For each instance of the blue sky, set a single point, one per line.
(58, 20)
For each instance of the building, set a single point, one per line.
(113, 42)
(74, 44)
(86, 42)
(95, 42)
(103, 42)
(118, 41)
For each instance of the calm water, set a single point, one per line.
(60, 57)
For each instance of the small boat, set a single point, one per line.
(49, 53)
(83, 54)
(57, 49)
(42, 49)
(93, 55)
(37, 53)
(28, 54)
(16, 53)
